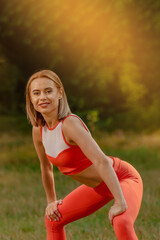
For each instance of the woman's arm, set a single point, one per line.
(46, 166)
(47, 177)
(74, 131)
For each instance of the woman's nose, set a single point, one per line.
(42, 96)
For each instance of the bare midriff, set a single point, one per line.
(90, 175)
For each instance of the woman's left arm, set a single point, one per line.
(74, 130)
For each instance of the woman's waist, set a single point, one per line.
(90, 175)
(88, 181)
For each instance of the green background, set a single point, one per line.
(107, 54)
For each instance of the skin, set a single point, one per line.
(45, 99)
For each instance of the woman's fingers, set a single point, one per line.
(54, 215)
(52, 211)
(51, 217)
(110, 216)
(57, 213)
(115, 210)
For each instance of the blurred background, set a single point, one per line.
(107, 54)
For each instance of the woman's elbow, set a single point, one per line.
(102, 162)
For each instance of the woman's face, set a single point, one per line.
(44, 95)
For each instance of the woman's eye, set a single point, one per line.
(49, 91)
(35, 93)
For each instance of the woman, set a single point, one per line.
(62, 139)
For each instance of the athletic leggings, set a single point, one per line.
(85, 200)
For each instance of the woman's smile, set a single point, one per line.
(44, 105)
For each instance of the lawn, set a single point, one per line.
(23, 199)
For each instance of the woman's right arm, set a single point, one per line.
(47, 176)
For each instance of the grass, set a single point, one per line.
(23, 198)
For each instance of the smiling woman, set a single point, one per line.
(45, 97)
(45, 84)
(63, 139)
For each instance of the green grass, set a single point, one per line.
(23, 201)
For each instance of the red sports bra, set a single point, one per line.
(68, 158)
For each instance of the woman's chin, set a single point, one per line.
(44, 110)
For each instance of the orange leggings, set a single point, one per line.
(85, 200)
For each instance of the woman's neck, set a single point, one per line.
(51, 119)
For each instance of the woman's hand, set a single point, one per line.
(116, 209)
(52, 211)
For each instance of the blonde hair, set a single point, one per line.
(35, 117)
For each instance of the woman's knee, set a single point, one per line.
(124, 228)
(122, 223)
(53, 225)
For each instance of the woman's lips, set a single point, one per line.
(44, 105)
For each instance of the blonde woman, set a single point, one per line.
(62, 139)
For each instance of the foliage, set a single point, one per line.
(105, 52)
(10, 78)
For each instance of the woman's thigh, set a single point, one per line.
(83, 201)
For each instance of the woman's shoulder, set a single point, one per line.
(73, 120)
(71, 116)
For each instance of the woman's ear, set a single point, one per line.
(61, 93)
